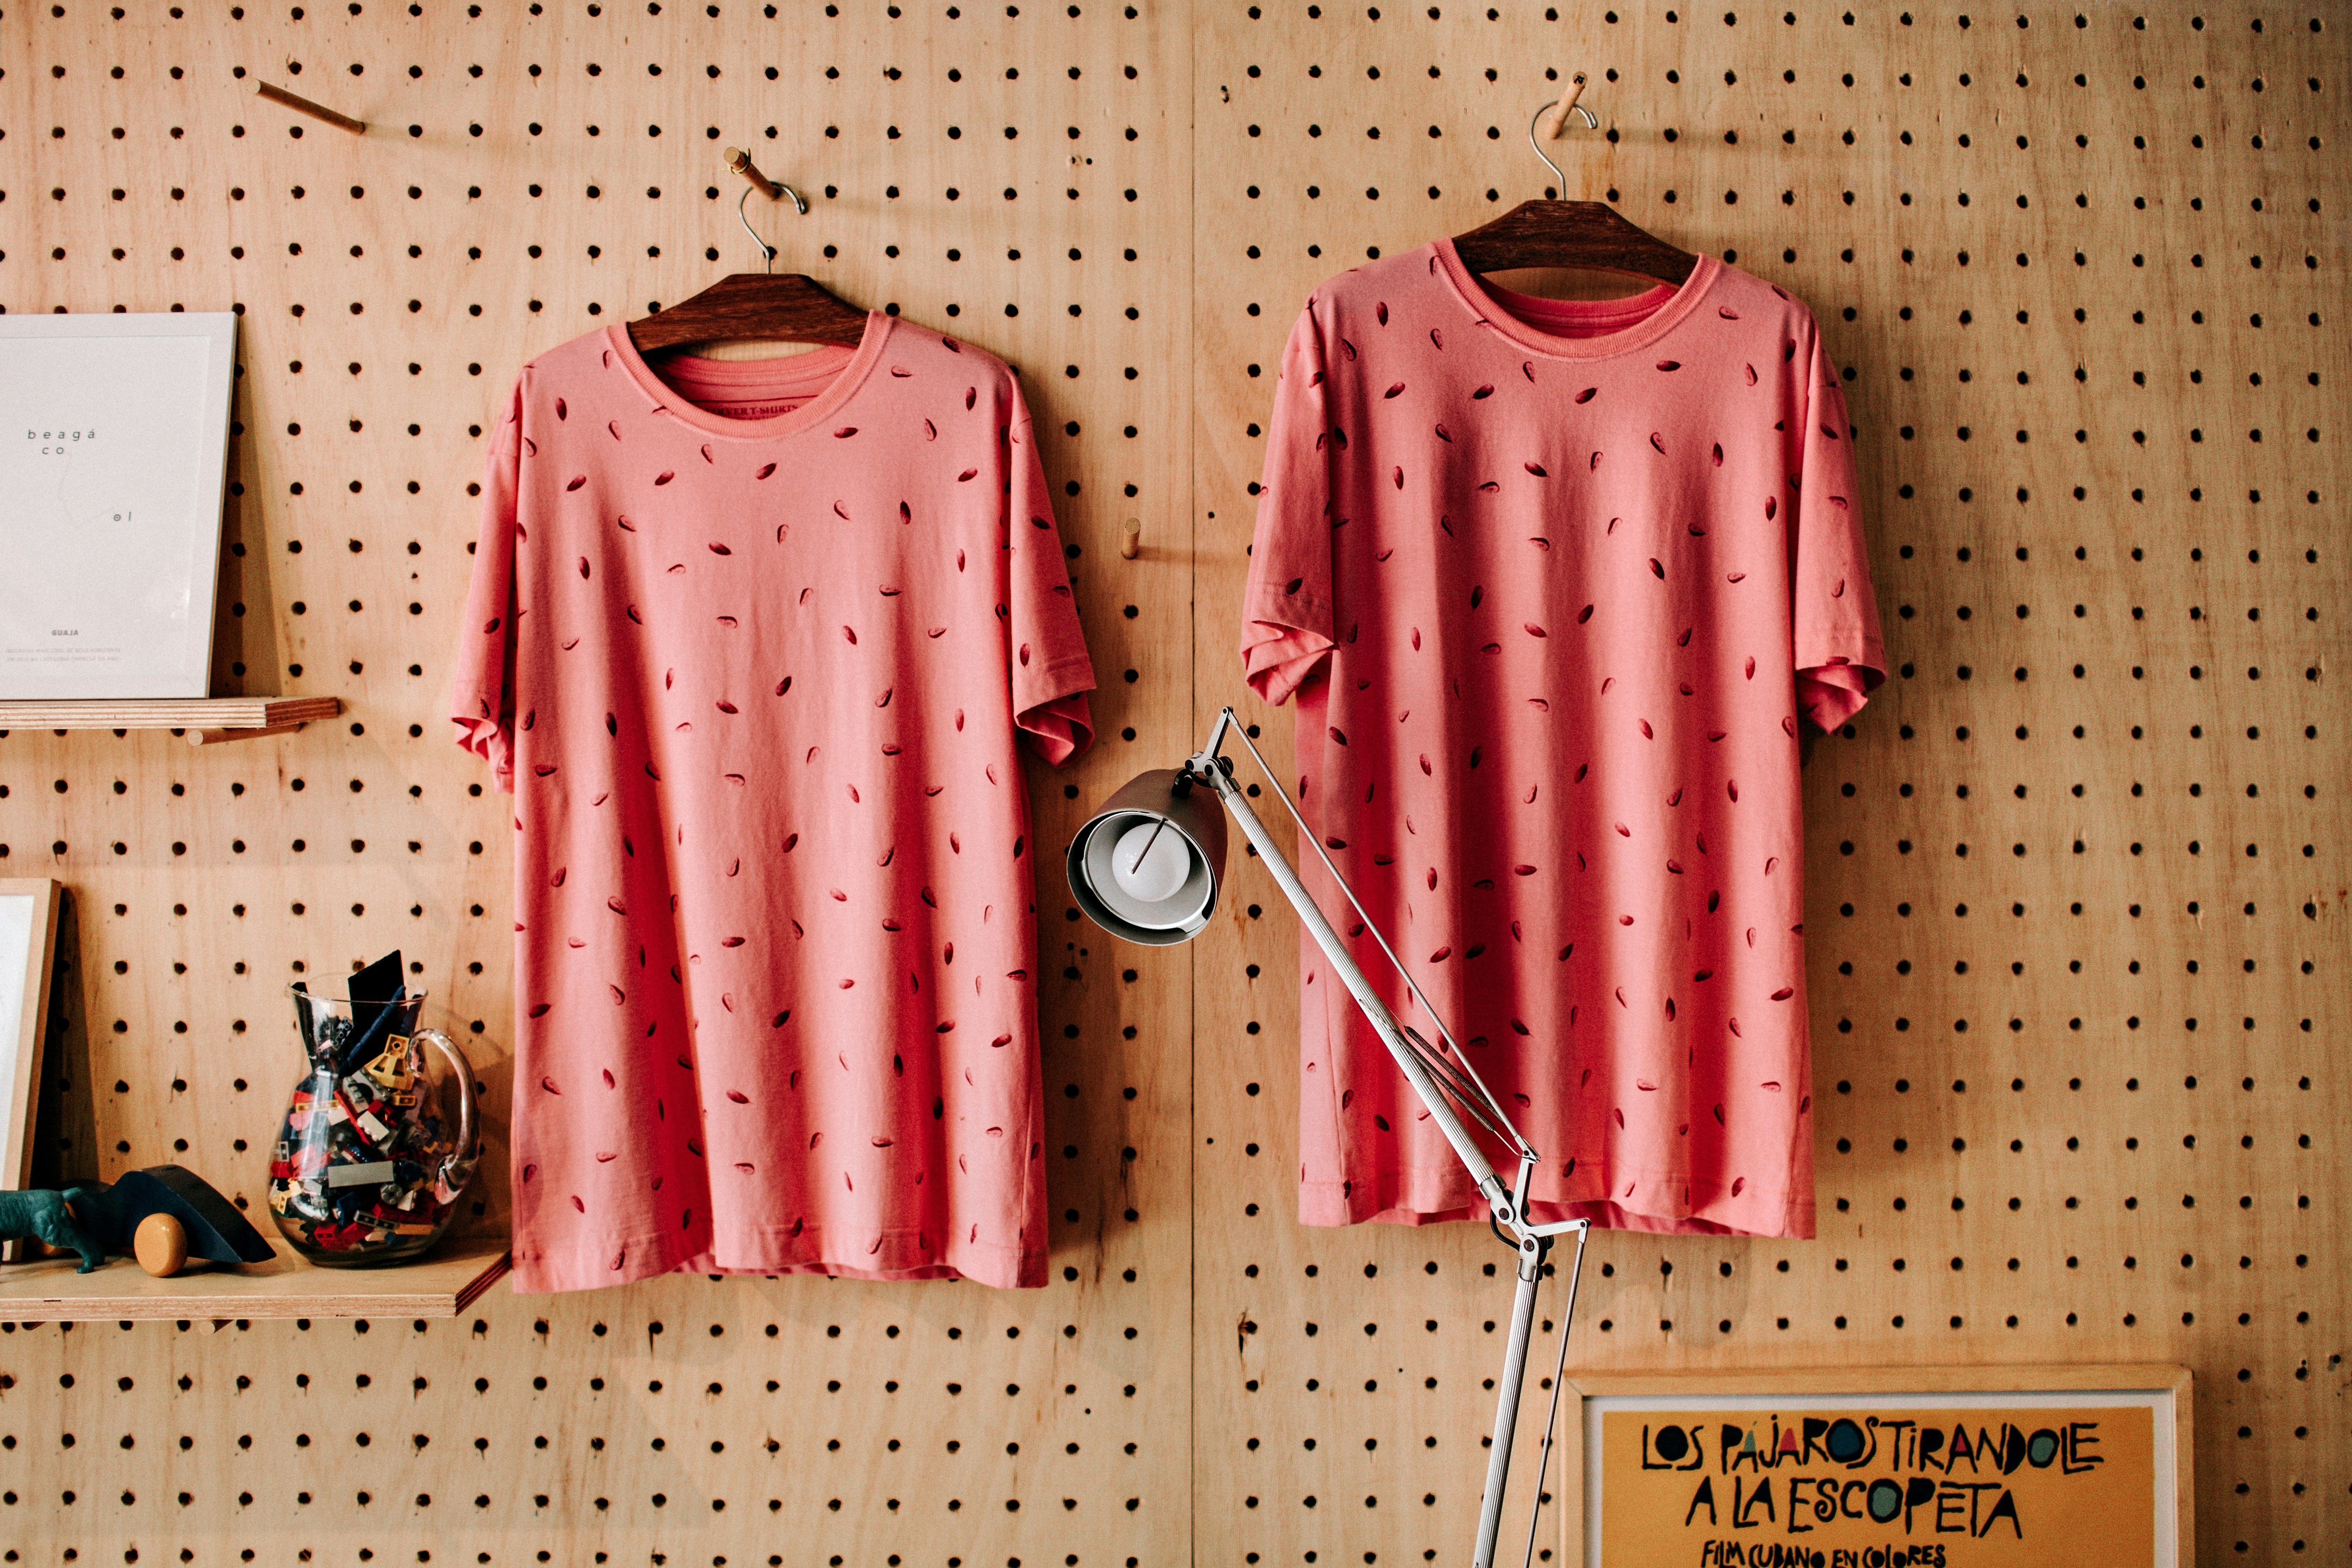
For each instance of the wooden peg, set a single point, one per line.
(740, 163)
(1556, 116)
(301, 105)
(215, 737)
(1132, 545)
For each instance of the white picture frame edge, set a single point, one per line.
(220, 390)
(23, 1082)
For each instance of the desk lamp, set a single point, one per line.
(1149, 867)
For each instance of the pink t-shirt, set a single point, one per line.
(755, 683)
(1552, 583)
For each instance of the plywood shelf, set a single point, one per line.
(207, 720)
(47, 1289)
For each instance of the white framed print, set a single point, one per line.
(113, 454)
(28, 930)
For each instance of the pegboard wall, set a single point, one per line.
(2077, 878)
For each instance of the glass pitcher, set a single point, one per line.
(369, 1159)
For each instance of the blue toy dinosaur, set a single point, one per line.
(46, 1215)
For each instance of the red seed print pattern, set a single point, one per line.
(1637, 667)
(667, 771)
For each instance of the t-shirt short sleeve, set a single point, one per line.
(1839, 656)
(1287, 610)
(481, 692)
(1050, 671)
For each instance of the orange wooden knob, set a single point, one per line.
(161, 1244)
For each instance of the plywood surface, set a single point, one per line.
(2075, 886)
(168, 713)
(1020, 180)
(288, 1285)
(2021, 1160)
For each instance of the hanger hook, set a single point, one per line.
(767, 251)
(1563, 106)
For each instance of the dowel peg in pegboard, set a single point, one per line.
(740, 163)
(1131, 545)
(215, 737)
(301, 105)
(1555, 119)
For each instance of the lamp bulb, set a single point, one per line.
(1151, 862)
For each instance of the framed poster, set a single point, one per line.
(113, 449)
(2021, 1466)
(28, 928)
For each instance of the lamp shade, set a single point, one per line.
(1147, 866)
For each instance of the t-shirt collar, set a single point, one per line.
(1650, 314)
(861, 363)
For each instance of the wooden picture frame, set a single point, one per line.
(1586, 1470)
(28, 934)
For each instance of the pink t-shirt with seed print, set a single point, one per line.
(750, 647)
(1553, 584)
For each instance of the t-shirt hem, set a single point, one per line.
(1303, 611)
(1832, 687)
(1066, 676)
(482, 734)
(1713, 1210)
(894, 1255)
(1284, 638)
(1059, 728)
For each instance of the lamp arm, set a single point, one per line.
(1457, 1076)
(1533, 1242)
(1499, 1198)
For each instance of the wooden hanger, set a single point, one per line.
(1590, 235)
(781, 305)
(784, 306)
